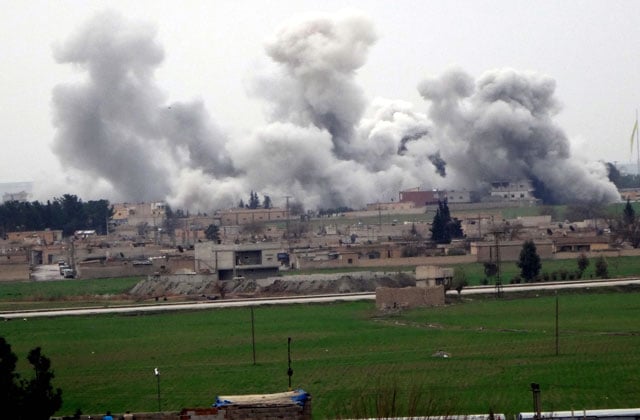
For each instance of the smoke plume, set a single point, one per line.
(325, 144)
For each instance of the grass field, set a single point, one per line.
(63, 293)
(349, 357)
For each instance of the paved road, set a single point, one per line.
(188, 306)
(303, 299)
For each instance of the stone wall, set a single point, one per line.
(409, 297)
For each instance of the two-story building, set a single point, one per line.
(228, 262)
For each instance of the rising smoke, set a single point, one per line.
(323, 144)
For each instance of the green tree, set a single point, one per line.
(41, 400)
(490, 268)
(529, 261)
(32, 399)
(443, 227)
(459, 280)
(602, 268)
(629, 214)
(254, 201)
(439, 232)
(583, 263)
(10, 392)
(266, 203)
(212, 233)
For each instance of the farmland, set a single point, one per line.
(345, 354)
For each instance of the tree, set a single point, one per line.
(459, 280)
(266, 203)
(583, 263)
(10, 394)
(439, 233)
(40, 399)
(254, 201)
(27, 399)
(443, 227)
(490, 269)
(529, 262)
(212, 233)
(602, 268)
(629, 214)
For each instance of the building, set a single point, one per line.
(433, 275)
(458, 196)
(508, 250)
(391, 206)
(134, 214)
(512, 191)
(35, 237)
(581, 243)
(421, 198)
(242, 216)
(250, 261)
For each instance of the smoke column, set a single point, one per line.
(500, 128)
(115, 127)
(325, 143)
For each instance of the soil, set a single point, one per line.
(296, 285)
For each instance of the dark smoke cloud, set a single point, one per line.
(500, 127)
(319, 56)
(439, 163)
(115, 127)
(325, 144)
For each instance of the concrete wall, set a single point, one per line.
(409, 297)
(390, 262)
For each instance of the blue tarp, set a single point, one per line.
(299, 397)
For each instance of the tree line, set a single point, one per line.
(67, 213)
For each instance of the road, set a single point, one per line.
(345, 297)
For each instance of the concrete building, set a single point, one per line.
(509, 250)
(133, 214)
(458, 196)
(391, 206)
(421, 198)
(251, 261)
(581, 243)
(512, 191)
(35, 237)
(245, 216)
(388, 298)
(433, 275)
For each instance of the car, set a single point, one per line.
(69, 273)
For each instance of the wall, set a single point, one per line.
(409, 297)
(390, 262)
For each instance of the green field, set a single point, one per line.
(348, 356)
(21, 295)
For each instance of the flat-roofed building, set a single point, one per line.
(251, 261)
(246, 216)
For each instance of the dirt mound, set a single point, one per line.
(200, 286)
(343, 283)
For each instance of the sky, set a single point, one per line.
(214, 53)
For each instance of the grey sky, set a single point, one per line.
(214, 50)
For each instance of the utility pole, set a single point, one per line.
(498, 280)
(287, 221)
(289, 371)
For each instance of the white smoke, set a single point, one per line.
(318, 147)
